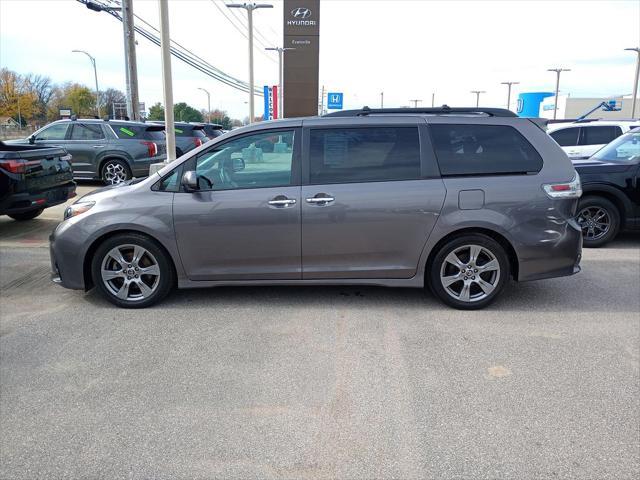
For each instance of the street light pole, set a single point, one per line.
(635, 82)
(208, 103)
(508, 84)
(555, 102)
(381, 99)
(280, 51)
(477, 94)
(167, 85)
(250, 7)
(95, 74)
(433, 99)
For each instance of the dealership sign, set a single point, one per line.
(270, 102)
(334, 100)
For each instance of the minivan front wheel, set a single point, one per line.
(132, 271)
(469, 272)
(115, 171)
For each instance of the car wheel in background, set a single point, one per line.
(469, 271)
(132, 271)
(599, 220)
(114, 171)
(26, 215)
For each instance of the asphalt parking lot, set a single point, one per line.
(319, 382)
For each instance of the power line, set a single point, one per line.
(238, 16)
(241, 29)
(183, 53)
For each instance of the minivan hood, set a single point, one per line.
(110, 191)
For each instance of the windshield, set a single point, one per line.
(623, 149)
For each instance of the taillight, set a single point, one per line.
(572, 189)
(152, 148)
(14, 166)
(197, 141)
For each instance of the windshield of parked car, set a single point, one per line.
(623, 149)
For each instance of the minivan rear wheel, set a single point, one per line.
(132, 271)
(469, 272)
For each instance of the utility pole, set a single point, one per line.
(131, 65)
(508, 84)
(555, 101)
(95, 74)
(477, 94)
(167, 85)
(322, 101)
(381, 99)
(280, 51)
(433, 99)
(415, 102)
(250, 7)
(634, 95)
(208, 103)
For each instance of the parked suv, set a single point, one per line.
(611, 200)
(113, 151)
(188, 136)
(211, 130)
(583, 138)
(457, 199)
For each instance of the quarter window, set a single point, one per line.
(483, 150)
(81, 131)
(566, 137)
(253, 161)
(372, 154)
(599, 135)
(54, 132)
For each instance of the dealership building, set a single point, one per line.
(541, 104)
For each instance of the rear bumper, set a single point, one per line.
(140, 167)
(27, 201)
(558, 255)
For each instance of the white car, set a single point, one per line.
(584, 138)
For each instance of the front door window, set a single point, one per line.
(254, 161)
(54, 132)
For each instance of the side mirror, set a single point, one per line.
(190, 181)
(238, 164)
(32, 139)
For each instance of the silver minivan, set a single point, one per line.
(461, 200)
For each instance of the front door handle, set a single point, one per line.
(320, 199)
(282, 201)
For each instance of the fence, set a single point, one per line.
(10, 133)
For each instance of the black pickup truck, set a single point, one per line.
(33, 178)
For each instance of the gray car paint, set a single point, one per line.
(378, 233)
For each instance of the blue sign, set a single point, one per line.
(334, 100)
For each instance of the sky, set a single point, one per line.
(406, 49)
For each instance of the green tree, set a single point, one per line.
(185, 113)
(156, 112)
(221, 118)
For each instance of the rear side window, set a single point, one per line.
(483, 150)
(566, 137)
(81, 131)
(373, 154)
(599, 135)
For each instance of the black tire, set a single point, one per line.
(158, 256)
(114, 171)
(490, 250)
(30, 215)
(592, 234)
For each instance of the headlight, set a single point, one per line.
(77, 209)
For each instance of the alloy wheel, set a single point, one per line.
(114, 173)
(130, 272)
(595, 222)
(470, 273)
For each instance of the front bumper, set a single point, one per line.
(66, 259)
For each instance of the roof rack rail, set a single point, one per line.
(444, 109)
